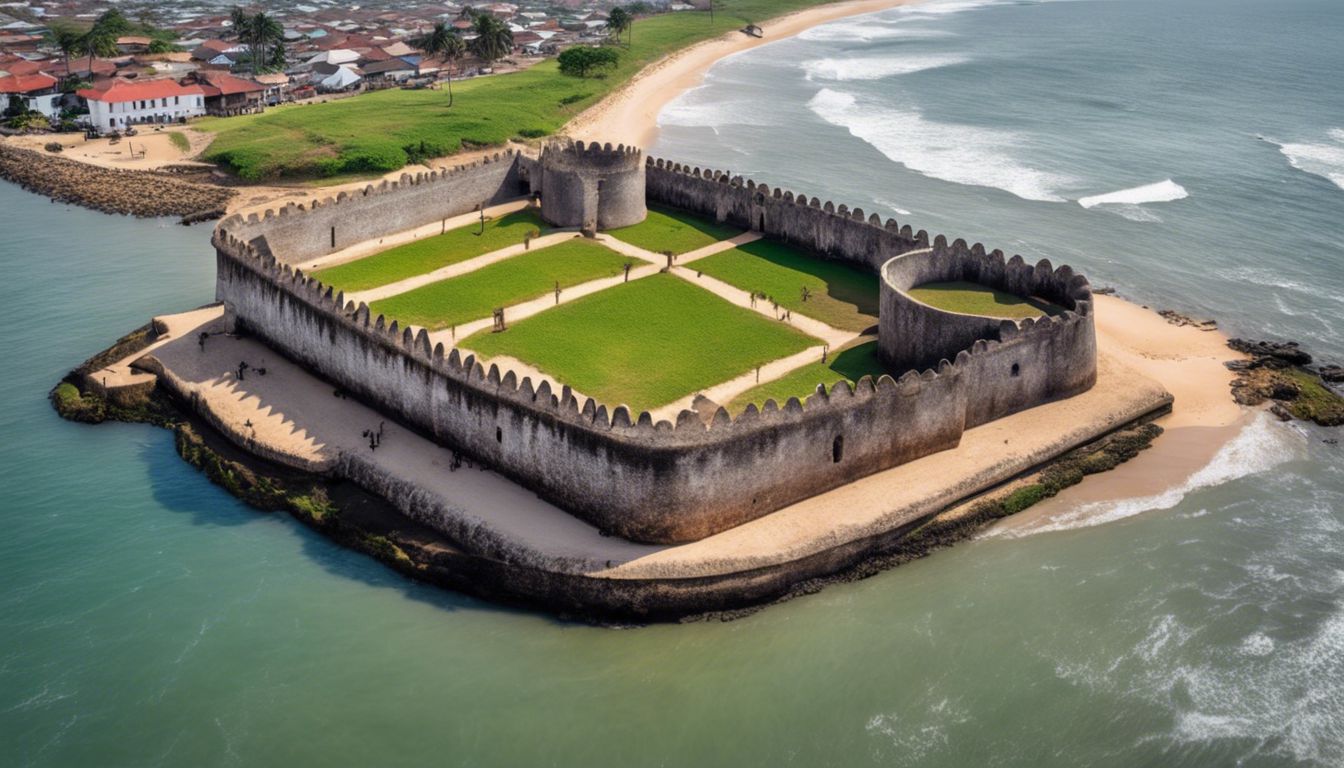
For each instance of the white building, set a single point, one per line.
(127, 103)
(38, 92)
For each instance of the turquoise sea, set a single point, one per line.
(146, 618)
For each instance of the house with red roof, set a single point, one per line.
(227, 95)
(37, 91)
(121, 103)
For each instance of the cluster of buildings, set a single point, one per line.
(329, 48)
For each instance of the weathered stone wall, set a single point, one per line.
(1017, 364)
(297, 233)
(660, 482)
(821, 227)
(592, 186)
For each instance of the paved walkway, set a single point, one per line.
(370, 247)
(460, 268)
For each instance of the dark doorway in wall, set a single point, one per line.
(1017, 370)
(838, 449)
(762, 227)
(499, 435)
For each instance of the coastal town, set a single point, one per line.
(71, 66)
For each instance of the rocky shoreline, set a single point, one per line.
(1283, 373)
(111, 190)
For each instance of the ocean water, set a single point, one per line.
(146, 618)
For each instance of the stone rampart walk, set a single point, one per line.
(292, 417)
(370, 247)
(460, 268)
(121, 374)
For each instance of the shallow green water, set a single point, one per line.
(146, 618)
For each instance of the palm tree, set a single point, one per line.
(265, 32)
(67, 38)
(443, 41)
(493, 40)
(240, 21)
(619, 21)
(101, 38)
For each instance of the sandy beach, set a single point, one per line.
(630, 115)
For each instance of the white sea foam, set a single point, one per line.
(962, 154)
(694, 109)
(876, 67)
(1260, 446)
(867, 32)
(1324, 159)
(1161, 192)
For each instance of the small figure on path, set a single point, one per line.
(242, 369)
(557, 292)
(200, 339)
(806, 293)
(626, 267)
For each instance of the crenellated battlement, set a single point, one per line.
(668, 479)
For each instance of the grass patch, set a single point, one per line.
(382, 130)
(840, 296)
(667, 229)
(645, 343)
(180, 140)
(431, 253)
(1314, 402)
(528, 276)
(849, 364)
(975, 299)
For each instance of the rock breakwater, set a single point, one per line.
(112, 190)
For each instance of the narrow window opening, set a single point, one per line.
(499, 435)
(762, 227)
(333, 237)
(1017, 370)
(838, 449)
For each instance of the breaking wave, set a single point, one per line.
(1259, 447)
(867, 32)
(1161, 192)
(876, 67)
(961, 154)
(1325, 159)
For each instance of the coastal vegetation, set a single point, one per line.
(666, 229)
(431, 253)
(848, 365)
(517, 279)
(836, 294)
(644, 343)
(371, 133)
(975, 299)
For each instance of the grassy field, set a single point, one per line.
(849, 364)
(975, 299)
(521, 278)
(180, 140)
(431, 253)
(383, 130)
(840, 296)
(667, 229)
(645, 343)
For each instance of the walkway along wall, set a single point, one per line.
(660, 482)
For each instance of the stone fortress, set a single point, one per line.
(629, 474)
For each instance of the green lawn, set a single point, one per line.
(180, 140)
(840, 296)
(975, 299)
(644, 343)
(521, 278)
(667, 229)
(423, 256)
(383, 130)
(849, 364)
